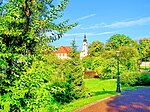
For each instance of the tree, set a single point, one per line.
(107, 54)
(128, 58)
(71, 85)
(118, 40)
(23, 27)
(107, 69)
(95, 48)
(87, 63)
(73, 53)
(144, 49)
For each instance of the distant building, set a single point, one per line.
(145, 64)
(62, 52)
(84, 51)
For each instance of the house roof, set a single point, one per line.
(63, 49)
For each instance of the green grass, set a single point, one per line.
(145, 67)
(99, 89)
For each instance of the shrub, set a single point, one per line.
(30, 92)
(144, 80)
(61, 92)
(130, 78)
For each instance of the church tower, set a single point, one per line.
(84, 51)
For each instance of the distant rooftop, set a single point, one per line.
(63, 49)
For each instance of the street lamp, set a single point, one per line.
(118, 73)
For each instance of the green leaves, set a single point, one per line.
(130, 78)
(144, 49)
(26, 73)
(96, 48)
(118, 40)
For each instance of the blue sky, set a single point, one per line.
(100, 19)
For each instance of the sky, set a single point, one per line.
(101, 19)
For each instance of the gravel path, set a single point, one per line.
(129, 101)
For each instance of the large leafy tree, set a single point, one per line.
(95, 48)
(23, 28)
(118, 40)
(128, 58)
(24, 25)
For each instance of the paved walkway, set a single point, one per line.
(129, 101)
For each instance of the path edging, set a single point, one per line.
(93, 103)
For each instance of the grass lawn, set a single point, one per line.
(145, 67)
(99, 89)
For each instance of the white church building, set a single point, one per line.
(84, 51)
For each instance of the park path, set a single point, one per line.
(129, 101)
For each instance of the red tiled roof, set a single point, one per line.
(63, 49)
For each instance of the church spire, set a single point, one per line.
(84, 40)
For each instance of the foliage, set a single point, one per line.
(129, 57)
(144, 80)
(24, 25)
(87, 63)
(144, 49)
(118, 40)
(96, 48)
(130, 78)
(71, 86)
(61, 92)
(96, 62)
(31, 91)
(107, 54)
(145, 67)
(107, 69)
(103, 66)
(73, 53)
(26, 75)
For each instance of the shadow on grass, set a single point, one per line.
(103, 92)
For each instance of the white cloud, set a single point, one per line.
(129, 23)
(120, 24)
(74, 34)
(86, 17)
(87, 34)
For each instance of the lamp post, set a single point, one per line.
(118, 73)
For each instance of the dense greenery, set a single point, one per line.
(135, 78)
(118, 40)
(103, 59)
(95, 48)
(144, 49)
(73, 53)
(69, 83)
(143, 80)
(28, 68)
(130, 78)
